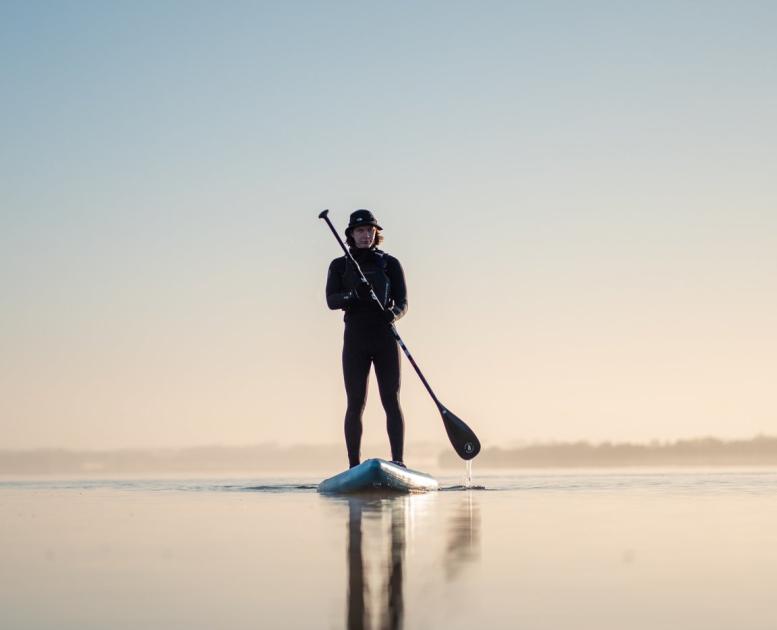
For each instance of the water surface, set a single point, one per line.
(640, 549)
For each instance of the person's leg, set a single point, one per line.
(356, 371)
(387, 371)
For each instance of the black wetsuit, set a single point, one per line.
(368, 339)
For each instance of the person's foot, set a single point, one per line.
(398, 462)
(354, 465)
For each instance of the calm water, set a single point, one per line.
(532, 550)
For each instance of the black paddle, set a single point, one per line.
(463, 439)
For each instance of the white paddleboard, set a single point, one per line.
(378, 474)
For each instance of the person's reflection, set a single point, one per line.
(462, 547)
(358, 612)
(392, 605)
(391, 615)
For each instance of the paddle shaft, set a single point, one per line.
(401, 343)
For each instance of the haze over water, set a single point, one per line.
(550, 550)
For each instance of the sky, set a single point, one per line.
(583, 197)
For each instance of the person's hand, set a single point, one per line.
(363, 290)
(388, 316)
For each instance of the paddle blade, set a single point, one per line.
(463, 439)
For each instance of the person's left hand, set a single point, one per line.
(388, 316)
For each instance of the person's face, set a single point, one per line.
(364, 236)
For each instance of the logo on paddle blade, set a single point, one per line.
(469, 447)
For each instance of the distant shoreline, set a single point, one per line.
(758, 451)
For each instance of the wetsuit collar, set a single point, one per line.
(361, 254)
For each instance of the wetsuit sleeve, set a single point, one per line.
(337, 296)
(398, 288)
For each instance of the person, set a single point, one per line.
(368, 337)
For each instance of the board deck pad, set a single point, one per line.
(377, 475)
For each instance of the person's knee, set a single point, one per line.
(356, 405)
(390, 402)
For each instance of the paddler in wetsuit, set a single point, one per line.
(368, 337)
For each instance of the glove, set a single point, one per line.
(388, 316)
(362, 290)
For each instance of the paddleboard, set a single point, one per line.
(378, 474)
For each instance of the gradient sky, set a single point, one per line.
(583, 197)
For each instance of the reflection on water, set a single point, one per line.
(462, 548)
(593, 551)
(357, 587)
(463, 544)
